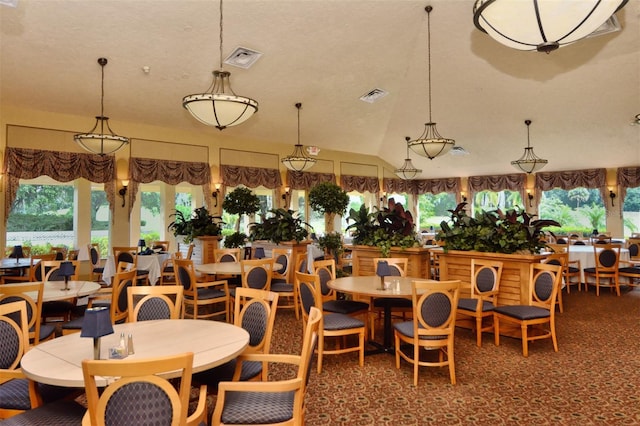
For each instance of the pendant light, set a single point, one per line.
(298, 161)
(220, 107)
(542, 25)
(96, 140)
(529, 162)
(430, 144)
(407, 171)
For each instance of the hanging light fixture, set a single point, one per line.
(542, 25)
(298, 161)
(529, 162)
(430, 144)
(407, 171)
(220, 107)
(96, 140)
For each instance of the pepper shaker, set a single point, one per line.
(130, 350)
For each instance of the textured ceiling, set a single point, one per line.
(326, 54)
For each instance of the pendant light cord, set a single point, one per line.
(298, 105)
(221, 25)
(429, 9)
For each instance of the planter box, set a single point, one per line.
(202, 250)
(362, 258)
(514, 285)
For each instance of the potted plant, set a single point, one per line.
(332, 244)
(329, 199)
(281, 225)
(240, 201)
(201, 223)
(235, 240)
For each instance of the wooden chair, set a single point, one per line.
(59, 252)
(155, 302)
(333, 324)
(164, 245)
(73, 254)
(139, 392)
(31, 294)
(485, 283)
(326, 271)
(573, 268)
(130, 255)
(280, 282)
(202, 294)
(544, 283)
(432, 327)
(257, 273)
(59, 309)
(559, 259)
(168, 270)
(96, 268)
(607, 258)
(397, 268)
(227, 255)
(242, 403)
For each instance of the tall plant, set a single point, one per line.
(329, 199)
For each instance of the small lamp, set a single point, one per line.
(123, 190)
(530, 197)
(141, 244)
(17, 253)
(96, 323)
(259, 253)
(215, 193)
(286, 197)
(66, 270)
(382, 270)
(612, 195)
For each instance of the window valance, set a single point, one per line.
(251, 177)
(627, 177)
(23, 163)
(511, 182)
(587, 178)
(421, 186)
(146, 170)
(360, 183)
(307, 180)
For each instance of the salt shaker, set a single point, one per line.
(130, 345)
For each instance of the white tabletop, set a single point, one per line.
(11, 263)
(151, 263)
(53, 290)
(59, 361)
(370, 286)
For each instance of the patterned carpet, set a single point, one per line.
(593, 379)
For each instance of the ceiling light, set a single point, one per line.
(529, 162)
(407, 171)
(96, 140)
(220, 107)
(298, 161)
(542, 25)
(430, 144)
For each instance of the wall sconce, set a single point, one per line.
(612, 195)
(123, 190)
(286, 197)
(383, 197)
(530, 197)
(215, 193)
(463, 197)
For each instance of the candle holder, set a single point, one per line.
(66, 270)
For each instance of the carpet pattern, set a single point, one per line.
(594, 379)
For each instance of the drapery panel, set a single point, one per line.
(397, 186)
(251, 177)
(23, 163)
(587, 178)
(627, 177)
(510, 182)
(360, 183)
(436, 186)
(147, 170)
(307, 180)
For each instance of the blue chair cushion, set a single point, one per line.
(60, 413)
(406, 328)
(224, 373)
(523, 312)
(333, 321)
(281, 287)
(630, 270)
(468, 304)
(344, 306)
(257, 407)
(209, 293)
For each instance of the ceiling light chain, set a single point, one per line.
(407, 171)
(529, 162)
(430, 144)
(298, 161)
(220, 107)
(101, 143)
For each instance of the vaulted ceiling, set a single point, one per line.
(581, 98)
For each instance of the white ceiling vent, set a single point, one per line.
(12, 3)
(242, 57)
(374, 95)
(611, 25)
(458, 150)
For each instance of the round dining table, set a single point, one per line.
(54, 290)
(59, 361)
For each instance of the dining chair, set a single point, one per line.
(60, 309)
(607, 260)
(255, 312)
(168, 270)
(573, 268)
(397, 268)
(31, 294)
(559, 259)
(227, 255)
(270, 403)
(485, 284)
(97, 269)
(130, 255)
(326, 271)
(257, 273)
(333, 325)
(281, 282)
(198, 294)
(544, 283)
(60, 252)
(138, 395)
(432, 327)
(155, 302)
(158, 244)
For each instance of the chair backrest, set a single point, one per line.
(185, 275)
(59, 252)
(94, 254)
(257, 273)
(139, 396)
(309, 342)
(434, 308)
(557, 248)
(52, 268)
(31, 294)
(607, 257)
(255, 311)
(282, 257)
(308, 287)
(326, 271)
(301, 262)
(561, 240)
(164, 245)
(544, 282)
(14, 335)
(119, 299)
(485, 279)
(226, 255)
(125, 254)
(397, 265)
(155, 302)
(634, 249)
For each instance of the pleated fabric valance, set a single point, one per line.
(421, 186)
(307, 180)
(570, 179)
(360, 183)
(23, 163)
(251, 177)
(627, 177)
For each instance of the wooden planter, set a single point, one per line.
(514, 285)
(202, 250)
(362, 258)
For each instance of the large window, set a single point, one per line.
(151, 221)
(631, 211)
(433, 209)
(100, 218)
(578, 210)
(491, 200)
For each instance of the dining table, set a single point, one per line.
(54, 290)
(59, 361)
(150, 262)
(371, 286)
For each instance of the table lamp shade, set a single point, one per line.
(382, 270)
(16, 252)
(141, 243)
(260, 253)
(67, 269)
(96, 323)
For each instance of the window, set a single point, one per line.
(433, 209)
(631, 211)
(151, 221)
(578, 210)
(491, 200)
(100, 218)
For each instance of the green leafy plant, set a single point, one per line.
(241, 201)
(513, 231)
(327, 197)
(280, 225)
(237, 239)
(201, 223)
(332, 243)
